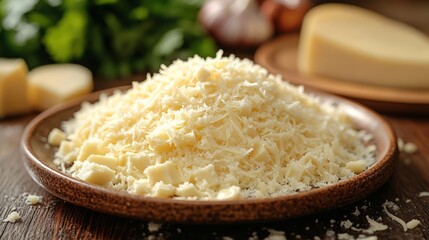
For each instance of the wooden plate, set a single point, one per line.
(280, 56)
(38, 156)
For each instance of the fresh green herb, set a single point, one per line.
(115, 38)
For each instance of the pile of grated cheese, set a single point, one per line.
(215, 128)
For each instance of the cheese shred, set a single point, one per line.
(215, 128)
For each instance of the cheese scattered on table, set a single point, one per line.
(154, 227)
(393, 217)
(375, 226)
(13, 87)
(349, 43)
(49, 85)
(12, 217)
(413, 224)
(33, 199)
(216, 128)
(424, 194)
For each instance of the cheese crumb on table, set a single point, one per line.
(154, 227)
(12, 217)
(406, 147)
(413, 224)
(33, 199)
(393, 217)
(216, 128)
(346, 224)
(424, 194)
(275, 235)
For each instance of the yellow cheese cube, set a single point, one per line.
(141, 187)
(231, 193)
(205, 177)
(139, 162)
(353, 44)
(163, 190)
(52, 84)
(65, 148)
(166, 172)
(95, 173)
(56, 136)
(13, 87)
(187, 190)
(104, 160)
(88, 148)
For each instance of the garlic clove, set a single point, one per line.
(235, 23)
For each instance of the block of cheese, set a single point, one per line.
(13, 87)
(354, 44)
(49, 85)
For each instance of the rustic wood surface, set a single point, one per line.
(56, 219)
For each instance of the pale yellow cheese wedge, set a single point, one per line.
(49, 85)
(354, 44)
(13, 87)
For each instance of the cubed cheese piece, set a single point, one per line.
(49, 85)
(141, 187)
(166, 172)
(88, 148)
(139, 162)
(232, 193)
(353, 44)
(70, 157)
(356, 166)
(103, 160)
(187, 190)
(56, 136)
(205, 177)
(163, 190)
(95, 173)
(13, 87)
(65, 148)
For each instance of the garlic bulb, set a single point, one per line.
(235, 22)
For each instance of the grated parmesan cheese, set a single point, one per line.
(215, 128)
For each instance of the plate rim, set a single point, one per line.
(37, 167)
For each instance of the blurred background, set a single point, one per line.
(120, 38)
